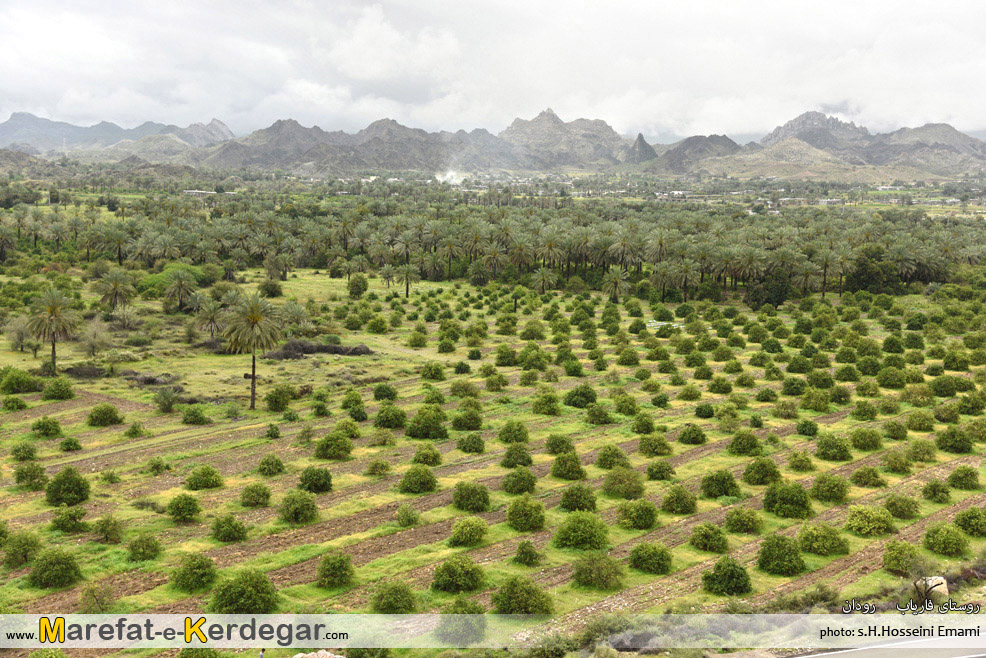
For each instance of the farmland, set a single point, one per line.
(442, 427)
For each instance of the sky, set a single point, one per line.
(666, 69)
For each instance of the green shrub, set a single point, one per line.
(637, 514)
(519, 481)
(13, 403)
(57, 389)
(46, 427)
(779, 556)
(24, 451)
(578, 497)
(54, 567)
(30, 476)
(945, 539)
(869, 521)
(953, 440)
(270, 465)
(525, 514)
(255, 495)
(193, 572)
(315, 479)
(104, 415)
(743, 520)
(249, 592)
(468, 531)
(582, 531)
(822, 539)
(832, 448)
(471, 497)
(458, 574)
(471, 444)
(335, 569)
(899, 557)
(298, 507)
(393, 598)
(654, 445)
(599, 571)
(108, 530)
(68, 487)
(801, 461)
(623, 483)
(407, 516)
(972, 521)
(143, 547)
(679, 500)
(719, 483)
(651, 558)
(936, 491)
(745, 443)
(709, 537)
(964, 477)
(194, 415)
(69, 519)
(227, 528)
(20, 548)
(901, 506)
(787, 500)
(183, 508)
(335, 445)
(660, 470)
(727, 578)
(760, 471)
(611, 456)
(867, 476)
(691, 435)
(203, 477)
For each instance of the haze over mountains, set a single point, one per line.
(811, 145)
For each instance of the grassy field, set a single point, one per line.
(358, 516)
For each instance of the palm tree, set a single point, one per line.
(181, 287)
(387, 273)
(616, 283)
(211, 318)
(52, 319)
(544, 278)
(115, 289)
(253, 326)
(685, 274)
(408, 274)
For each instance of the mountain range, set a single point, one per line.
(811, 145)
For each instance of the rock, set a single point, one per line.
(932, 587)
(321, 653)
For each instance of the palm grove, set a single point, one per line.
(148, 248)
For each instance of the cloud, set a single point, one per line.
(662, 68)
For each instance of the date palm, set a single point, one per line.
(544, 278)
(615, 284)
(253, 325)
(53, 319)
(115, 289)
(181, 287)
(407, 274)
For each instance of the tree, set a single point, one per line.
(180, 288)
(252, 326)
(615, 284)
(408, 274)
(53, 319)
(115, 289)
(211, 318)
(95, 338)
(545, 278)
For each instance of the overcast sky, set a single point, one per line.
(661, 68)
